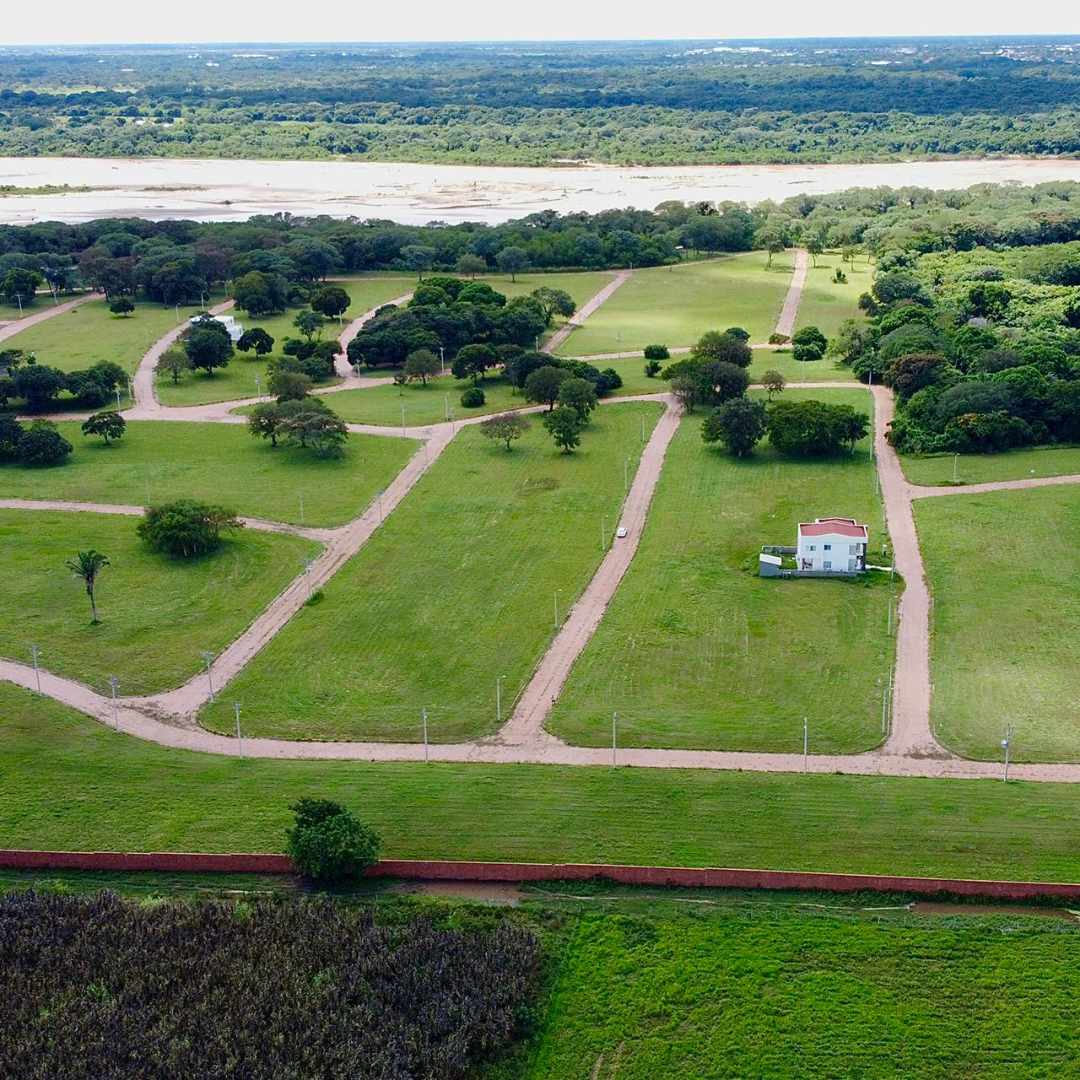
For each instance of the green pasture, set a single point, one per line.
(455, 590)
(938, 469)
(77, 785)
(697, 651)
(157, 614)
(675, 305)
(158, 461)
(1005, 577)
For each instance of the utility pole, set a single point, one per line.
(423, 720)
(955, 465)
(805, 745)
(301, 508)
(239, 740)
(625, 477)
(557, 591)
(498, 700)
(603, 532)
(614, 735)
(1006, 743)
(442, 359)
(402, 419)
(208, 659)
(35, 652)
(114, 682)
(446, 406)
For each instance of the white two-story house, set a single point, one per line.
(832, 544)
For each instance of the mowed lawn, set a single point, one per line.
(82, 787)
(771, 989)
(456, 589)
(157, 614)
(89, 333)
(697, 651)
(826, 304)
(1004, 570)
(440, 399)
(675, 305)
(795, 371)
(157, 461)
(938, 469)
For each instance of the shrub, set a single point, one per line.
(328, 844)
(42, 445)
(652, 367)
(778, 339)
(579, 395)
(814, 428)
(473, 397)
(122, 306)
(504, 428)
(738, 424)
(185, 529)
(657, 352)
(808, 344)
(608, 382)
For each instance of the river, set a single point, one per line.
(415, 194)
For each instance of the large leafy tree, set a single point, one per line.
(564, 425)
(328, 844)
(108, 424)
(739, 424)
(186, 529)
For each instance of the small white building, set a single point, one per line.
(833, 544)
(234, 328)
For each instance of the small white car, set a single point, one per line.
(620, 532)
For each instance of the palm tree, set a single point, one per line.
(87, 565)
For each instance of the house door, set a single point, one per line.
(852, 564)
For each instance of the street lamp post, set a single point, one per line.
(35, 652)
(239, 740)
(805, 745)
(498, 700)
(423, 720)
(114, 682)
(557, 591)
(208, 659)
(614, 736)
(1006, 743)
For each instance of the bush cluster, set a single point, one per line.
(39, 444)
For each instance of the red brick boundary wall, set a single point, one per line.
(422, 870)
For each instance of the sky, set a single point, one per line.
(134, 21)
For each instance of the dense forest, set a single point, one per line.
(531, 104)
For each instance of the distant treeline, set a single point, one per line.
(703, 102)
(179, 261)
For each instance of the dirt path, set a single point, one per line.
(551, 673)
(586, 310)
(919, 491)
(145, 395)
(910, 750)
(341, 361)
(789, 312)
(9, 330)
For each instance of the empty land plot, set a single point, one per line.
(1005, 575)
(825, 370)
(939, 469)
(83, 787)
(440, 399)
(372, 291)
(826, 303)
(675, 305)
(90, 333)
(650, 991)
(157, 461)
(697, 651)
(157, 614)
(455, 590)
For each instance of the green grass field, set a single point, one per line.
(82, 787)
(826, 304)
(1004, 572)
(675, 305)
(441, 397)
(938, 469)
(89, 333)
(164, 460)
(774, 989)
(455, 590)
(825, 370)
(698, 651)
(156, 614)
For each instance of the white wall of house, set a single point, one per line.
(832, 551)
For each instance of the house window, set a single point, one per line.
(826, 547)
(853, 549)
(811, 548)
(827, 564)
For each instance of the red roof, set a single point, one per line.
(833, 527)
